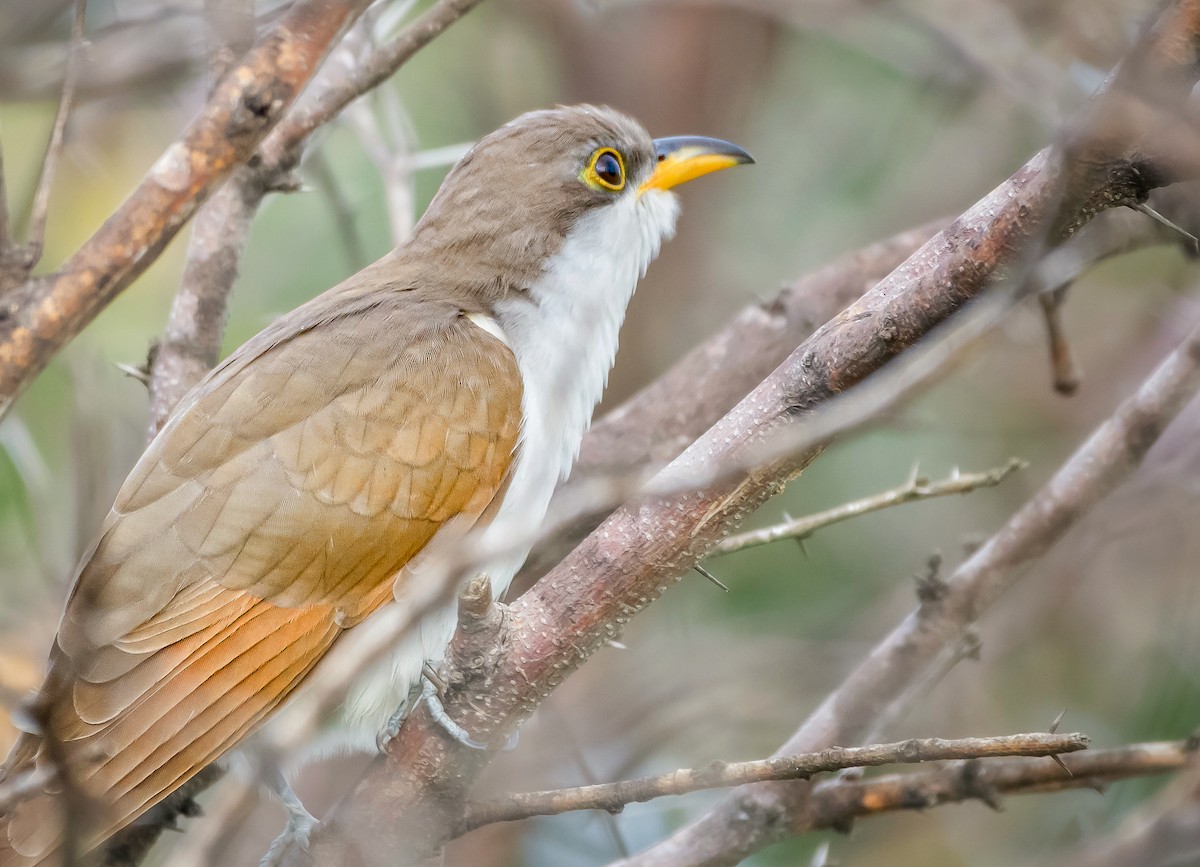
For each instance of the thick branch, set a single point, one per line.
(658, 422)
(885, 678)
(40, 317)
(613, 797)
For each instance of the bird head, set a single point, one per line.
(515, 198)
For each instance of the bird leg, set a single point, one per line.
(397, 719)
(300, 823)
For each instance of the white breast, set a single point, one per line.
(564, 335)
(563, 332)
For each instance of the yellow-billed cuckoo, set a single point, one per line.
(445, 387)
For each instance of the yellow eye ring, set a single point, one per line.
(605, 171)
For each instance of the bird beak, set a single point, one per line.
(684, 157)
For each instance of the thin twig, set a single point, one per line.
(613, 797)
(196, 324)
(916, 488)
(837, 803)
(1163, 830)
(7, 277)
(1063, 365)
(36, 236)
(340, 211)
(281, 150)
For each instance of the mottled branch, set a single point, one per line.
(282, 149)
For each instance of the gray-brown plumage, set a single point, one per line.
(279, 505)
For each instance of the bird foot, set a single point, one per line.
(430, 689)
(438, 713)
(297, 833)
(397, 719)
(300, 823)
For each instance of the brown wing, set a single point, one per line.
(272, 513)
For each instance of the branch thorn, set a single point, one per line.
(710, 576)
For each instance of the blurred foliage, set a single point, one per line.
(866, 118)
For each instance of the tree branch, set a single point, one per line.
(36, 236)
(281, 151)
(836, 803)
(196, 324)
(658, 422)
(916, 488)
(40, 317)
(886, 680)
(411, 799)
(613, 797)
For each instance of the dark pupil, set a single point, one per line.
(608, 169)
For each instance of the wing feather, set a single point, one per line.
(273, 511)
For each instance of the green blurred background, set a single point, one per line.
(866, 118)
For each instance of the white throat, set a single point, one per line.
(564, 335)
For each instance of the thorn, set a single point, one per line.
(1193, 243)
(1057, 721)
(141, 374)
(616, 645)
(1058, 761)
(799, 540)
(710, 576)
(972, 542)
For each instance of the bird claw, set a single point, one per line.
(297, 833)
(438, 714)
(431, 695)
(299, 828)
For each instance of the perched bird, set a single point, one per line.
(442, 389)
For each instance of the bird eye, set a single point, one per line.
(606, 170)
